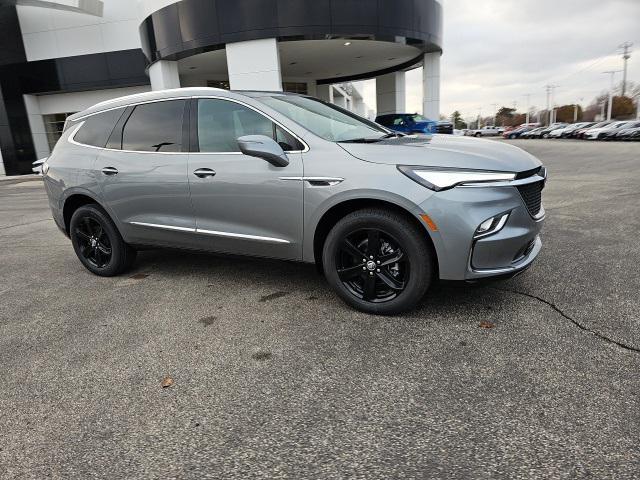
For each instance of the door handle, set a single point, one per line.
(204, 173)
(110, 171)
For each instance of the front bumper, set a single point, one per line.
(457, 214)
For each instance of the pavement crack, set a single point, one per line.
(582, 327)
(23, 224)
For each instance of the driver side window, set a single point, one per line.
(222, 122)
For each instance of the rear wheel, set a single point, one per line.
(378, 261)
(97, 242)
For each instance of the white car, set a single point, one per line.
(557, 133)
(599, 133)
(487, 131)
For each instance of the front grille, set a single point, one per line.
(531, 193)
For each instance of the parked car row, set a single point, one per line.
(628, 130)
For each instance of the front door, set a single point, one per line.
(143, 174)
(242, 204)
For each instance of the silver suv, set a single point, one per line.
(291, 177)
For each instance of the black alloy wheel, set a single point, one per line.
(93, 242)
(372, 266)
(98, 243)
(379, 261)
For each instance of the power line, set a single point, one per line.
(590, 66)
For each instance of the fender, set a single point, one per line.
(311, 223)
(88, 193)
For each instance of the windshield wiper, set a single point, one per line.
(392, 135)
(361, 140)
(372, 139)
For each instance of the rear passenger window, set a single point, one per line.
(221, 123)
(96, 129)
(155, 127)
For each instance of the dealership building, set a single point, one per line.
(60, 57)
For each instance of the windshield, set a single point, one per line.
(327, 121)
(418, 118)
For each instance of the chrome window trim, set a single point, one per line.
(130, 105)
(72, 140)
(211, 232)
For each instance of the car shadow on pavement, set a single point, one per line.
(304, 281)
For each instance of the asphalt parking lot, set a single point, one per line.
(274, 377)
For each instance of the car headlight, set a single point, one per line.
(438, 179)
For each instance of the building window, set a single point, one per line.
(218, 84)
(295, 87)
(53, 126)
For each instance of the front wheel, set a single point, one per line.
(378, 261)
(97, 242)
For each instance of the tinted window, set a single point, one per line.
(96, 129)
(155, 127)
(221, 123)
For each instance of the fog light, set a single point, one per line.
(491, 225)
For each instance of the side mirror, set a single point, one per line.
(263, 147)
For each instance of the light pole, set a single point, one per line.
(528, 97)
(575, 110)
(610, 109)
(550, 89)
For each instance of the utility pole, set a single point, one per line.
(610, 109)
(528, 97)
(495, 114)
(550, 89)
(626, 55)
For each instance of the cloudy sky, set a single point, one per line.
(496, 51)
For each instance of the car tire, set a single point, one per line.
(98, 243)
(400, 272)
(477, 135)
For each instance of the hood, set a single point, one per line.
(445, 151)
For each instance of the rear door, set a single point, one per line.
(243, 204)
(143, 173)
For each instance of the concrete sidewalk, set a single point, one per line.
(19, 179)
